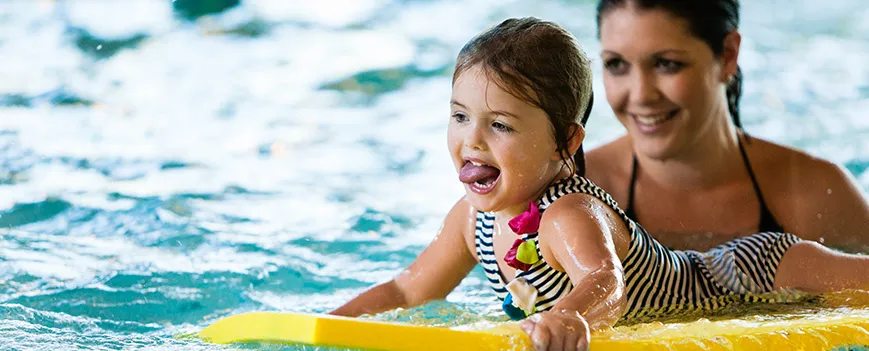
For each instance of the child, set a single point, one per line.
(554, 246)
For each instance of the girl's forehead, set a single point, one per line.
(477, 87)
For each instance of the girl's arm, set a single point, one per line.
(432, 276)
(585, 238)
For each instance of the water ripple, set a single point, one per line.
(165, 164)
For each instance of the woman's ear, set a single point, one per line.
(730, 56)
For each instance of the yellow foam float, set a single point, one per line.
(843, 328)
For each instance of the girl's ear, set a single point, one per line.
(577, 133)
(575, 141)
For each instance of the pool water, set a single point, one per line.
(164, 164)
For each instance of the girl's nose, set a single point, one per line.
(475, 137)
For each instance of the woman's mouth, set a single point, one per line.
(480, 178)
(654, 122)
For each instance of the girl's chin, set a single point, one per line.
(490, 205)
(479, 204)
(483, 203)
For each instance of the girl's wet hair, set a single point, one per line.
(709, 20)
(541, 63)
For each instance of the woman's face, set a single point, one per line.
(664, 84)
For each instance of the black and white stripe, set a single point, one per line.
(657, 279)
(551, 284)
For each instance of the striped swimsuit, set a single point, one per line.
(658, 280)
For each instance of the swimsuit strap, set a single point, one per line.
(629, 209)
(768, 223)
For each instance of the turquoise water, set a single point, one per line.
(163, 164)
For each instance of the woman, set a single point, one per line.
(686, 169)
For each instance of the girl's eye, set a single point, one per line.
(669, 66)
(616, 66)
(501, 127)
(460, 117)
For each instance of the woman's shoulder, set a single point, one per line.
(791, 169)
(812, 197)
(796, 183)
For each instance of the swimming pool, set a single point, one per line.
(159, 172)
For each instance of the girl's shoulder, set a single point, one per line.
(586, 213)
(462, 221)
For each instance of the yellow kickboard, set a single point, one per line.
(835, 332)
(823, 333)
(326, 330)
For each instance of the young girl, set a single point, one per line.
(554, 246)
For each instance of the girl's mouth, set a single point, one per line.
(479, 177)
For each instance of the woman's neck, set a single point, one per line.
(710, 160)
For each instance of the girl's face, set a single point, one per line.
(665, 85)
(502, 146)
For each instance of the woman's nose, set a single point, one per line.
(644, 88)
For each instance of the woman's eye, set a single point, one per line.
(460, 117)
(669, 66)
(616, 66)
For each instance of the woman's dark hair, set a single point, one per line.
(709, 20)
(541, 63)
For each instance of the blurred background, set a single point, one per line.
(167, 163)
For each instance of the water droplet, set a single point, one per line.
(100, 47)
(821, 240)
(829, 191)
(819, 216)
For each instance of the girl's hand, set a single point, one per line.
(562, 330)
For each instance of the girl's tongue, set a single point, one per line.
(483, 175)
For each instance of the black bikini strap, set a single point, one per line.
(629, 210)
(768, 223)
(751, 174)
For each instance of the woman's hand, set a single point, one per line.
(563, 330)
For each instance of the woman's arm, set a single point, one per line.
(433, 275)
(583, 237)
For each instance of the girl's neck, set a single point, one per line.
(709, 161)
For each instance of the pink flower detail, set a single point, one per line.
(527, 222)
(511, 259)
